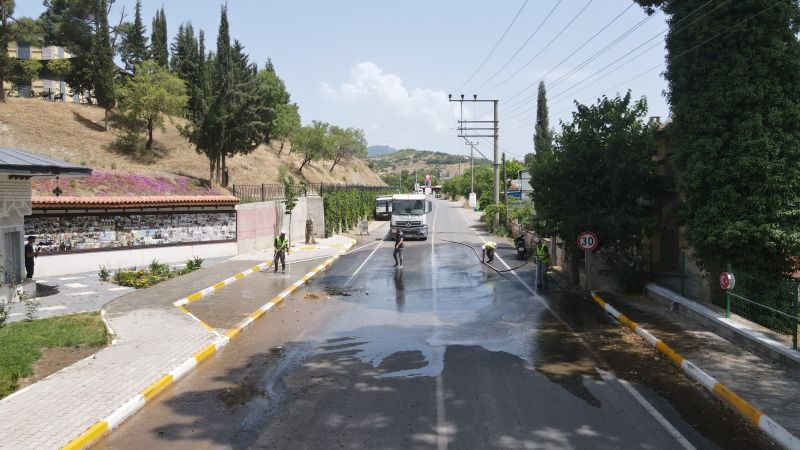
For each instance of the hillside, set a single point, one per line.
(423, 161)
(74, 133)
(379, 150)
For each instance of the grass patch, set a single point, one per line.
(21, 343)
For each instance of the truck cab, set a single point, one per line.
(383, 207)
(410, 214)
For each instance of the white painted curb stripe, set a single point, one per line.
(765, 423)
(136, 403)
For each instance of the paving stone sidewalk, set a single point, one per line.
(153, 337)
(765, 383)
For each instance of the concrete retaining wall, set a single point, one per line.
(258, 223)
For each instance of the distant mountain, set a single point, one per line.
(379, 150)
(423, 161)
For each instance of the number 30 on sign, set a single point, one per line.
(587, 241)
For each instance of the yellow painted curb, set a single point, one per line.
(88, 436)
(742, 406)
(130, 407)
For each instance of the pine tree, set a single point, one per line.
(734, 90)
(103, 67)
(158, 39)
(133, 50)
(6, 10)
(543, 135)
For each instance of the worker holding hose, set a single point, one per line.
(542, 262)
(487, 251)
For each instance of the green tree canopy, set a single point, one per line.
(314, 142)
(159, 39)
(286, 124)
(543, 134)
(598, 177)
(348, 143)
(150, 95)
(103, 69)
(133, 47)
(734, 91)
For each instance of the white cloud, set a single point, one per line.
(383, 104)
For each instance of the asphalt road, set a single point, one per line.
(443, 353)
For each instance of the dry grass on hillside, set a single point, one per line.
(75, 133)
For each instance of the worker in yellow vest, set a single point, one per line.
(487, 251)
(542, 262)
(281, 250)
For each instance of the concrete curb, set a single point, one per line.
(136, 403)
(727, 328)
(742, 406)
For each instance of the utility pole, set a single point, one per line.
(473, 129)
(505, 188)
(472, 199)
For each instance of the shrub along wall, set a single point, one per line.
(345, 207)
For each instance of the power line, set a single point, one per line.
(691, 49)
(524, 66)
(521, 47)
(585, 62)
(597, 54)
(637, 48)
(491, 52)
(573, 53)
(570, 89)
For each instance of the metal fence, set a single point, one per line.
(766, 300)
(249, 193)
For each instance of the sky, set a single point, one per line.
(388, 66)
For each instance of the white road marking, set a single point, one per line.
(76, 285)
(41, 281)
(441, 417)
(649, 408)
(52, 308)
(675, 433)
(70, 278)
(365, 261)
(81, 294)
(121, 288)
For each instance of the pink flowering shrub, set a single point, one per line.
(106, 184)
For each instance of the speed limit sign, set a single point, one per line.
(587, 241)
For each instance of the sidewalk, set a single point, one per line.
(766, 384)
(153, 337)
(74, 293)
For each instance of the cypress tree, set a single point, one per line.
(734, 92)
(103, 67)
(543, 135)
(6, 10)
(133, 50)
(158, 39)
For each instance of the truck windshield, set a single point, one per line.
(414, 207)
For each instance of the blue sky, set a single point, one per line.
(387, 67)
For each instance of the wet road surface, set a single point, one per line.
(443, 353)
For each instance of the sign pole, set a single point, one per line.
(586, 258)
(587, 241)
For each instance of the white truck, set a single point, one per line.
(410, 214)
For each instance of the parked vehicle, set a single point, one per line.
(410, 214)
(383, 207)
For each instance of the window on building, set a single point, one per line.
(23, 51)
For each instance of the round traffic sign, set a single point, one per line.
(727, 281)
(587, 241)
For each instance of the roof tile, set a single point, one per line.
(133, 202)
